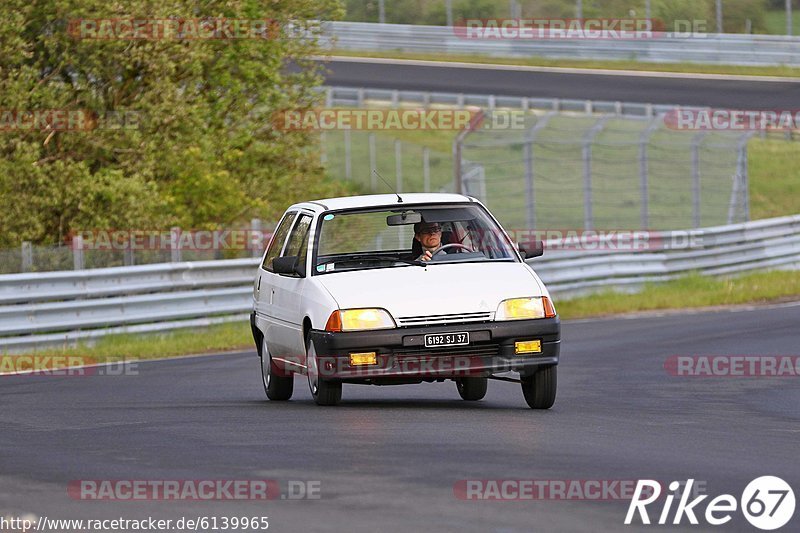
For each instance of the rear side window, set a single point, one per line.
(298, 240)
(278, 238)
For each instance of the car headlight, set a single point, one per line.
(525, 308)
(359, 319)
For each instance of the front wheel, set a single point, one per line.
(323, 391)
(472, 389)
(278, 388)
(539, 388)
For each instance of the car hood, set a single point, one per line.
(433, 291)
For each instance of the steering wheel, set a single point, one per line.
(453, 245)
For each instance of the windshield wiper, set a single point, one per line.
(394, 258)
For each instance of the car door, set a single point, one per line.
(287, 295)
(264, 289)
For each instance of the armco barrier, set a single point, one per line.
(729, 49)
(62, 307)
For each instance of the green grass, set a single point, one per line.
(692, 291)
(632, 64)
(774, 167)
(775, 22)
(129, 347)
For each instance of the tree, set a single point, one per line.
(197, 149)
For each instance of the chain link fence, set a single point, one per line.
(115, 248)
(571, 170)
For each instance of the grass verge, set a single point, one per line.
(228, 336)
(632, 65)
(694, 291)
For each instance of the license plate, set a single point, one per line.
(447, 339)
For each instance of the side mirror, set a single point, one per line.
(289, 264)
(535, 249)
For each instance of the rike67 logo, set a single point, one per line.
(767, 503)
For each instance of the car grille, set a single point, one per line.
(483, 350)
(434, 320)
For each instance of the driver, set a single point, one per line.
(429, 235)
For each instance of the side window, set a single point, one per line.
(278, 238)
(298, 240)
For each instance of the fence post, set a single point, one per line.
(77, 253)
(530, 191)
(530, 195)
(323, 149)
(256, 237)
(373, 180)
(175, 245)
(348, 170)
(696, 141)
(588, 215)
(426, 169)
(644, 170)
(398, 164)
(27, 256)
(128, 258)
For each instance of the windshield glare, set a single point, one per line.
(355, 240)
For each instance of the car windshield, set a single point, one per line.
(399, 237)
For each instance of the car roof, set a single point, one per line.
(379, 200)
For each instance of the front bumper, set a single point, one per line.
(401, 352)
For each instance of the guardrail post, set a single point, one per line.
(373, 183)
(492, 102)
(398, 164)
(77, 253)
(460, 100)
(323, 149)
(348, 170)
(360, 98)
(426, 169)
(27, 256)
(256, 237)
(395, 97)
(329, 97)
(175, 244)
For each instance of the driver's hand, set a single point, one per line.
(426, 256)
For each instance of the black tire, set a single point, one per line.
(278, 388)
(539, 388)
(472, 389)
(323, 391)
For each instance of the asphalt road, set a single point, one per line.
(387, 458)
(511, 81)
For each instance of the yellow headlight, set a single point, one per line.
(355, 319)
(525, 308)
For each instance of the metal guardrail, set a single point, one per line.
(364, 97)
(63, 307)
(728, 49)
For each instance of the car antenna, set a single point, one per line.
(399, 199)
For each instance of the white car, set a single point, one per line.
(395, 289)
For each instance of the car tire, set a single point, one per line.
(539, 388)
(278, 388)
(323, 391)
(472, 389)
